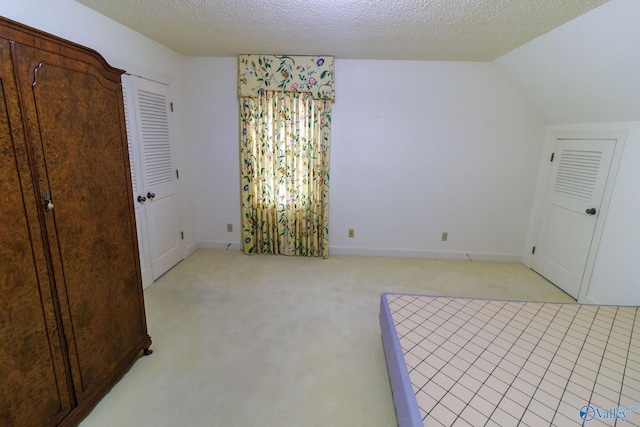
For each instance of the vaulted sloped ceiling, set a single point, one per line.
(459, 30)
(587, 71)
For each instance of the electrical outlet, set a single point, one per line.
(445, 236)
(352, 232)
(229, 228)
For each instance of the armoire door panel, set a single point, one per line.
(82, 158)
(33, 383)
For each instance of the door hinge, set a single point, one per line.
(171, 105)
(533, 251)
(552, 156)
(182, 235)
(177, 174)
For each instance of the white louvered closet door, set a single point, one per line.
(154, 173)
(573, 198)
(138, 196)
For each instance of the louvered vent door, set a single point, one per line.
(578, 174)
(155, 139)
(575, 189)
(139, 196)
(158, 183)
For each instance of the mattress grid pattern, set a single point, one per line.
(478, 362)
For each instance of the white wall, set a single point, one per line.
(437, 146)
(584, 71)
(122, 48)
(616, 275)
(585, 75)
(214, 121)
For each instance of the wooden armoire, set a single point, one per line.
(72, 317)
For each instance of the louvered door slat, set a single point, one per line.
(577, 174)
(155, 138)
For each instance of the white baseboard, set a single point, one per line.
(414, 253)
(389, 253)
(189, 250)
(216, 244)
(587, 300)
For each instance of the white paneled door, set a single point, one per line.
(572, 202)
(154, 176)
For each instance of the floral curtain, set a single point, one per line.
(312, 74)
(285, 118)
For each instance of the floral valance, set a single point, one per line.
(313, 74)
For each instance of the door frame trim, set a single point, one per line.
(579, 132)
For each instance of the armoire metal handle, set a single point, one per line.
(48, 203)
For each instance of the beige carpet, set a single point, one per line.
(277, 341)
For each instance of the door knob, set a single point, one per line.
(591, 211)
(141, 199)
(151, 196)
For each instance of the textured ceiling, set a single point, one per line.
(466, 30)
